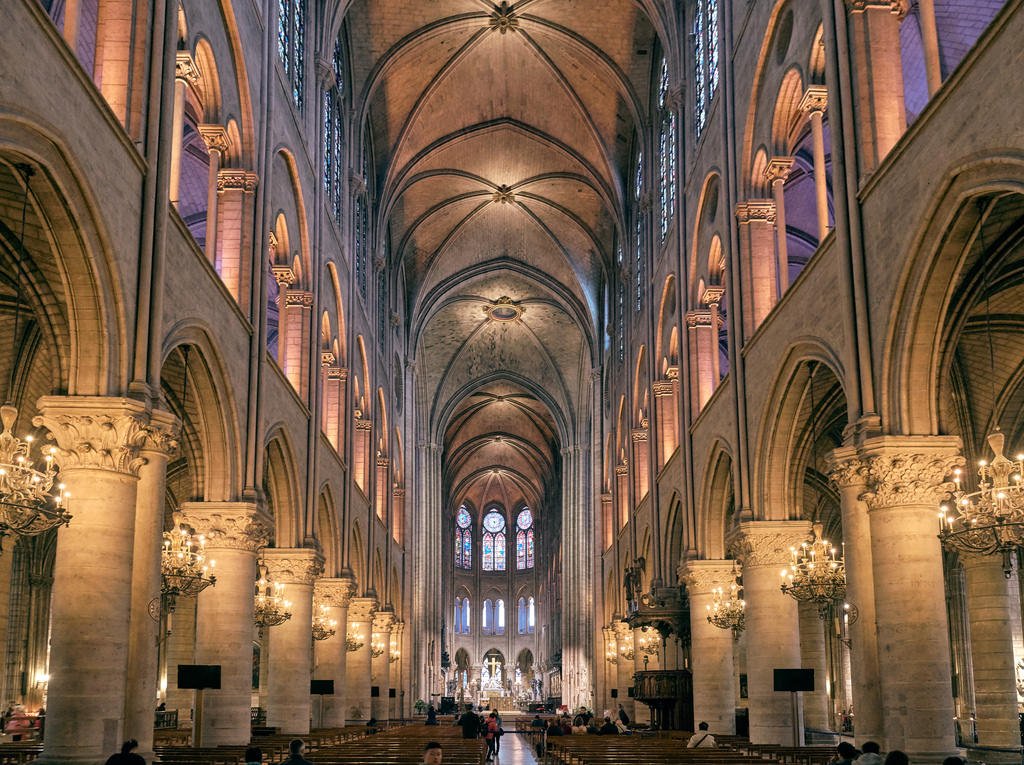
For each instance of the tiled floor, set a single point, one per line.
(515, 750)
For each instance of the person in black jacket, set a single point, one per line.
(470, 724)
(608, 729)
(296, 749)
(126, 755)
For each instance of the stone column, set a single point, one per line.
(357, 672)
(703, 350)
(98, 441)
(815, 102)
(756, 219)
(395, 672)
(380, 666)
(812, 656)
(776, 173)
(216, 139)
(144, 634)
(995, 688)
(329, 656)
(185, 72)
(773, 638)
(906, 482)
(290, 645)
(224, 613)
(236, 190)
(625, 667)
(849, 474)
(285, 278)
(711, 648)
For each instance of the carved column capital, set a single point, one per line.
(909, 471)
(362, 609)
(846, 469)
(293, 565)
(228, 525)
(383, 621)
(767, 543)
(713, 294)
(242, 180)
(162, 433)
(335, 592)
(698, 318)
(815, 99)
(97, 433)
(778, 169)
(215, 137)
(284, 276)
(703, 576)
(756, 211)
(185, 68)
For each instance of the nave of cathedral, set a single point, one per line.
(365, 355)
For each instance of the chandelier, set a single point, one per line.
(184, 568)
(611, 653)
(323, 625)
(28, 503)
(271, 607)
(649, 642)
(353, 642)
(991, 519)
(376, 646)
(394, 655)
(815, 574)
(728, 613)
(628, 652)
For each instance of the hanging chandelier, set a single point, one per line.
(323, 625)
(29, 505)
(184, 567)
(611, 653)
(353, 642)
(271, 607)
(649, 642)
(991, 519)
(815, 574)
(376, 646)
(394, 655)
(728, 613)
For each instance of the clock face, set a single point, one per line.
(494, 522)
(525, 519)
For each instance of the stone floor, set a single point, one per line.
(515, 750)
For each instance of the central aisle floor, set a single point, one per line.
(515, 750)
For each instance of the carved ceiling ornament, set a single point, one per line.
(95, 433)
(767, 543)
(297, 565)
(228, 525)
(504, 19)
(503, 309)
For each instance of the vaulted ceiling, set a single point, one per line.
(502, 135)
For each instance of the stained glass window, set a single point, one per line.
(493, 542)
(333, 127)
(487, 620)
(499, 619)
(622, 307)
(712, 47)
(465, 616)
(666, 153)
(705, 59)
(463, 539)
(524, 539)
(531, 619)
(291, 44)
(639, 220)
(522, 616)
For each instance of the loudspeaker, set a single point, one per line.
(374, 691)
(794, 680)
(630, 692)
(321, 687)
(391, 693)
(615, 693)
(199, 676)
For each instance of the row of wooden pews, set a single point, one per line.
(648, 749)
(403, 745)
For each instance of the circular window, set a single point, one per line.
(494, 521)
(463, 518)
(525, 519)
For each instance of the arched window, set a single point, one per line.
(666, 153)
(493, 542)
(465, 617)
(524, 539)
(291, 44)
(487, 619)
(705, 59)
(499, 618)
(619, 258)
(334, 149)
(531, 619)
(638, 191)
(463, 539)
(521, 616)
(361, 224)
(457, 617)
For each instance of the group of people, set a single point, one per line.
(474, 726)
(870, 753)
(253, 755)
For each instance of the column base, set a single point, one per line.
(993, 755)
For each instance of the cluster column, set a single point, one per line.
(98, 442)
(224, 613)
(714, 683)
(329, 655)
(380, 663)
(906, 482)
(357, 673)
(291, 643)
(773, 634)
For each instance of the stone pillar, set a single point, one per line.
(236, 191)
(711, 648)
(815, 102)
(929, 42)
(877, 79)
(906, 482)
(812, 656)
(665, 404)
(357, 672)
(329, 656)
(849, 474)
(285, 278)
(712, 298)
(380, 665)
(773, 638)
(995, 688)
(776, 173)
(299, 305)
(290, 645)
(395, 673)
(756, 218)
(143, 641)
(703, 350)
(625, 667)
(98, 441)
(224, 613)
(216, 139)
(185, 72)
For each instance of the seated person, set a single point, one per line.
(609, 728)
(702, 739)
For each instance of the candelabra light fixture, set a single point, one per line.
(815, 574)
(728, 613)
(323, 625)
(988, 521)
(271, 607)
(376, 646)
(184, 568)
(353, 642)
(611, 654)
(649, 642)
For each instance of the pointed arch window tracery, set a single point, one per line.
(463, 539)
(524, 540)
(492, 542)
(291, 44)
(667, 138)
